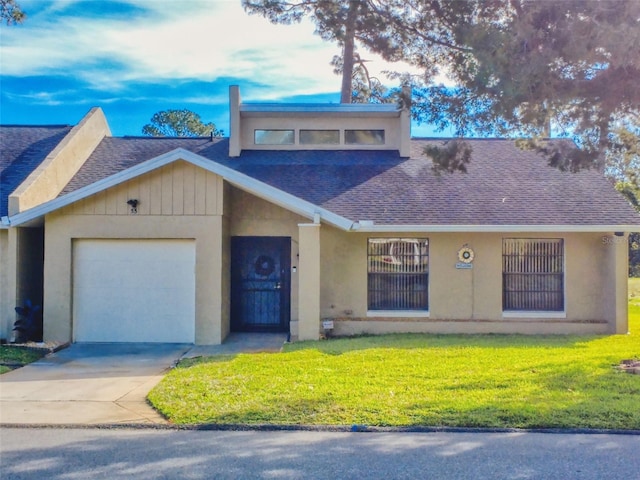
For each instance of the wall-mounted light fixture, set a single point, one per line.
(619, 234)
(133, 203)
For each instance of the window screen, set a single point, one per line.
(398, 274)
(533, 274)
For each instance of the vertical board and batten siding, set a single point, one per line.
(175, 189)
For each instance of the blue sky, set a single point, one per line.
(133, 58)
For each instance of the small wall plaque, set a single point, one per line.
(466, 266)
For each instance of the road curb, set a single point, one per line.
(320, 428)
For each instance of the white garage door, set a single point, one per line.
(134, 291)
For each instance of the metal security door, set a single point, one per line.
(260, 284)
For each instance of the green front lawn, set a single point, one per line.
(411, 380)
(13, 357)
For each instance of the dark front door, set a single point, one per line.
(260, 284)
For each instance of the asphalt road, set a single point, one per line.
(55, 453)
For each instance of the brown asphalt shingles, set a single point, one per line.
(505, 185)
(22, 150)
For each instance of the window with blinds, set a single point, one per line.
(398, 273)
(533, 274)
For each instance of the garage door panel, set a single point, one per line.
(134, 291)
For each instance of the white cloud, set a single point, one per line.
(40, 98)
(223, 41)
(173, 40)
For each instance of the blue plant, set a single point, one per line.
(26, 327)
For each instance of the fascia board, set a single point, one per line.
(250, 109)
(234, 177)
(496, 228)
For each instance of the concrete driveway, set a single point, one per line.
(88, 384)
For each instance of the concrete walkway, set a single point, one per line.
(241, 343)
(95, 384)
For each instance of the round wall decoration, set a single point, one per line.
(465, 255)
(264, 265)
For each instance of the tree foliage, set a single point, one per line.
(524, 66)
(632, 192)
(518, 67)
(179, 123)
(10, 12)
(346, 22)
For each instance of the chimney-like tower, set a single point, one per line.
(234, 121)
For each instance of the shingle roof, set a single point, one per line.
(22, 149)
(504, 184)
(115, 154)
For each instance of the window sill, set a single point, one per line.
(398, 313)
(532, 314)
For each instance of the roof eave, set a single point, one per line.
(493, 228)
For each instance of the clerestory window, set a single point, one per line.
(274, 137)
(364, 137)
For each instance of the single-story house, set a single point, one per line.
(314, 219)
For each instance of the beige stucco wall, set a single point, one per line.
(243, 123)
(309, 281)
(467, 301)
(6, 309)
(616, 285)
(177, 201)
(226, 261)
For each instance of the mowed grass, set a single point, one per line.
(416, 380)
(13, 357)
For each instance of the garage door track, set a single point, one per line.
(88, 384)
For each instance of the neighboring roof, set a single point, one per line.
(22, 149)
(504, 186)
